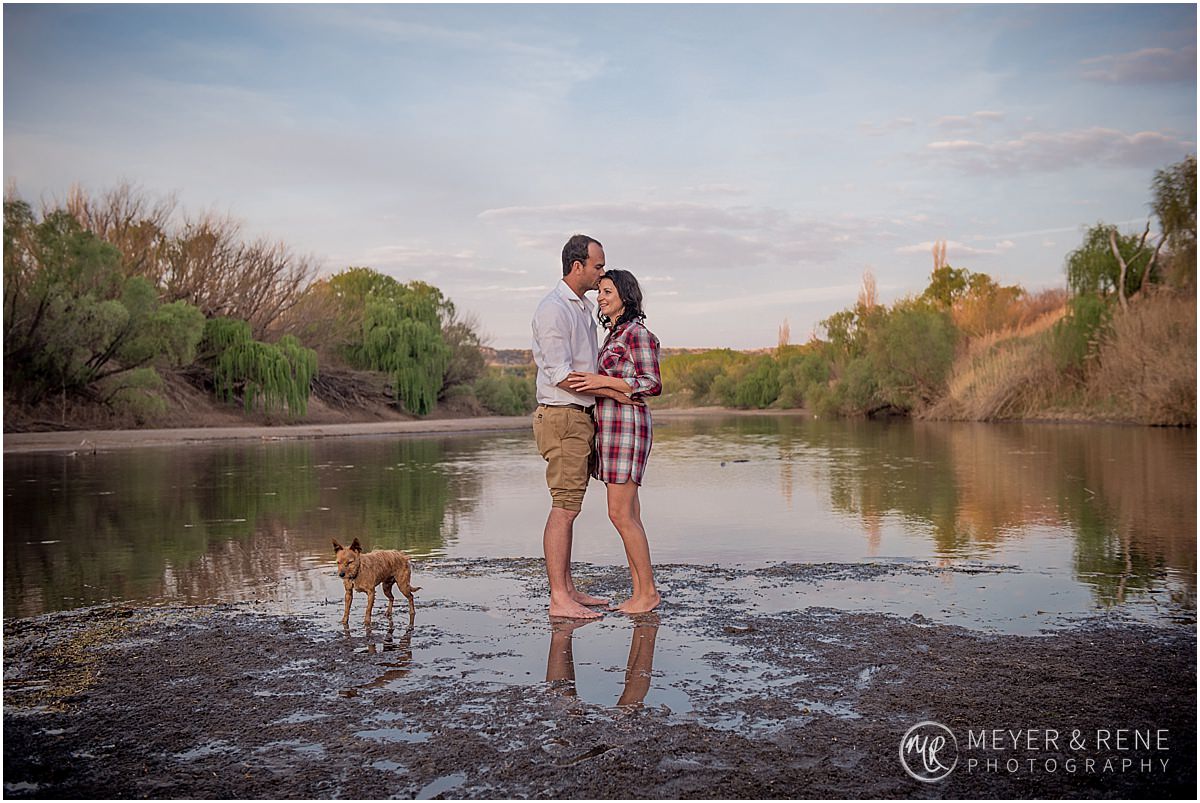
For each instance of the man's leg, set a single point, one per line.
(564, 438)
(556, 542)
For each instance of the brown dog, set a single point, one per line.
(362, 571)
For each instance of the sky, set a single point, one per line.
(746, 163)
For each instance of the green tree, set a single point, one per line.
(1175, 205)
(408, 346)
(399, 331)
(911, 351)
(75, 323)
(1093, 268)
(947, 285)
(277, 376)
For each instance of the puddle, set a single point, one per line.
(394, 735)
(1000, 599)
(299, 719)
(20, 786)
(205, 750)
(440, 785)
(483, 622)
(497, 633)
(294, 746)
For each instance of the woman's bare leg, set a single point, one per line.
(624, 509)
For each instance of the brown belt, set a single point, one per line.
(578, 407)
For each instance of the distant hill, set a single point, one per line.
(511, 358)
(508, 358)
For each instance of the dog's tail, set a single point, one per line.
(414, 588)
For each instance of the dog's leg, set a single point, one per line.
(349, 599)
(404, 583)
(407, 591)
(370, 604)
(387, 589)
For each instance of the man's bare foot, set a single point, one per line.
(570, 609)
(638, 604)
(587, 599)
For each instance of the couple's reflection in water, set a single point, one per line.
(560, 665)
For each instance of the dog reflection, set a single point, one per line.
(398, 650)
(560, 665)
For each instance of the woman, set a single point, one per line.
(628, 363)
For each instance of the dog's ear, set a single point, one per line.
(356, 547)
(337, 547)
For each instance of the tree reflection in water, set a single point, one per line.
(206, 524)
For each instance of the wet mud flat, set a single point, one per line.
(727, 692)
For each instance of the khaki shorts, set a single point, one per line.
(565, 437)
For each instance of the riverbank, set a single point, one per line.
(482, 697)
(84, 441)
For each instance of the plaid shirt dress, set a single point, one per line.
(624, 431)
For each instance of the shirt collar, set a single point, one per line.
(566, 292)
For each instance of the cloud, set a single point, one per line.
(687, 236)
(955, 248)
(1156, 65)
(521, 56)
(955, 122)
(971, 122)
(1073, 229)
(458, 270)
(1049, 151)
(872, 129)
(758, 302)
(716, 189)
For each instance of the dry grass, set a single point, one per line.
(1145, 370)
(1002, 375)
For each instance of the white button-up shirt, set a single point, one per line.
(564, 340)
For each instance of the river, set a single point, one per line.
(1052, 521)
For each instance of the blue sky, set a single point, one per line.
(748, 163)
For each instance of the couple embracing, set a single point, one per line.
(591, 420)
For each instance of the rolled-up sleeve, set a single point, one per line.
(643, 350)
(552, 346)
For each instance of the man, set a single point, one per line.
(564, 340)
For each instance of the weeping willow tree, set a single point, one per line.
(405, 340)
(276, 375)
(384, 325)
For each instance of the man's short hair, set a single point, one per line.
(576, 249)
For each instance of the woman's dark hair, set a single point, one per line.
(631, 297)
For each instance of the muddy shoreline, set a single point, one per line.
(81, 441)
(483, 697)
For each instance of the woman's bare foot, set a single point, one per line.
(587, 599)
(638, 604)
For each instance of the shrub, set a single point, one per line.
(506, 393)
(1146, 363)
(1076, 335)
(911, 351)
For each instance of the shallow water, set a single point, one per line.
(1060, 520)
